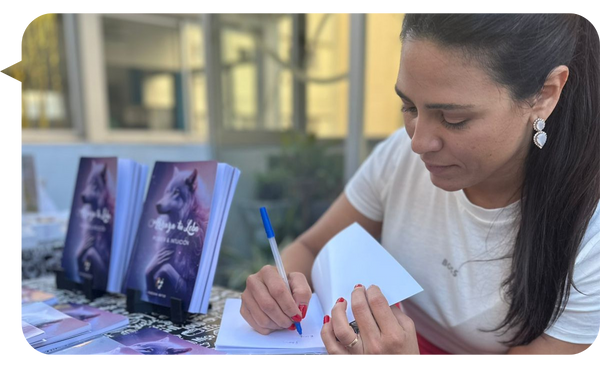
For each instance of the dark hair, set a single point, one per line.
(561, 187)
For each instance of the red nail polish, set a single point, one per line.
(297, 318)
(397, 304)
(326, 319)
(303, 308)
(292, 327)
(340, 300)
(357, 285)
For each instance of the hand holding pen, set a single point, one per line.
(272, 301)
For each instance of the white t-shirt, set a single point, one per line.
(455, 250)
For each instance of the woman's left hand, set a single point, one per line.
(382, 329)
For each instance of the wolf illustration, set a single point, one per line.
(160, 347)
(174, 268)
(81, 313)
(93, 254)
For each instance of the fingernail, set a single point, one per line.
(340, 300)
(292, 327)
(297, 318)
(397, 304)
(326, 319)
(357, 285)
(303, 309)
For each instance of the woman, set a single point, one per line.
(488, 197)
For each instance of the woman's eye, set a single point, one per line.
(409, 109)
(458, 125)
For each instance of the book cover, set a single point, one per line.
(105, 212)
(29, 295)
(100, 322)
(89, 236)
(172, 231)
(56, 325)
(144, 343)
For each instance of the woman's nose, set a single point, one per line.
(425, 137)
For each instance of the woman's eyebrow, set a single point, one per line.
(401, 95)
(435, 106)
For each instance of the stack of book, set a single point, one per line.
(163, 247)
(75, 329)
(49, 329)
(180, 232)
(106, 205)
(147, 341)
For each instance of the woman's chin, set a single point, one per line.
(446, 184)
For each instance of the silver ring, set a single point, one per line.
(353, 342)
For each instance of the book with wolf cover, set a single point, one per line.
(100, 322)
(147, 341)
(180, 231)
(106, 206)
(56, 325)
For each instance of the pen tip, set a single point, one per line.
(298, 328)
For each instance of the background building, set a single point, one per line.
(295, 101)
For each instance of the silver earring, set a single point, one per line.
(540, 137)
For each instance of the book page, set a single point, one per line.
(235, 332)
(353, 257)
(349, 258)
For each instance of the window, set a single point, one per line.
(327, 66)
(42, 72)
(258, 77)
(255, 70)
(142, 64)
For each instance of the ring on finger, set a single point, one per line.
(354, 342)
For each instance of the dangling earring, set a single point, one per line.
(540, 137)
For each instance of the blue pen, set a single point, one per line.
(275, 250)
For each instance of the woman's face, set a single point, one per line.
(468, 131)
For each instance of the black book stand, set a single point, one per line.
(135, 304)
(64, 283)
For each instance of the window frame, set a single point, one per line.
(88, 94)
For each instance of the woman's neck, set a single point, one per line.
(496, 192)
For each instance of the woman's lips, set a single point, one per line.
(438, 169)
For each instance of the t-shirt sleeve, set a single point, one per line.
(580, 321)
(366, 190)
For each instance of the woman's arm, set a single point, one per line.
(300, 255)
(548, 345)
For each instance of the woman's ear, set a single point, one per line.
(547, 99)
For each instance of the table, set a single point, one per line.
(201, 329)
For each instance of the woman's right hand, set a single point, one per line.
(267, 304)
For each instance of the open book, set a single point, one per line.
(351, 257)
(107, 204)
(180, 232)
